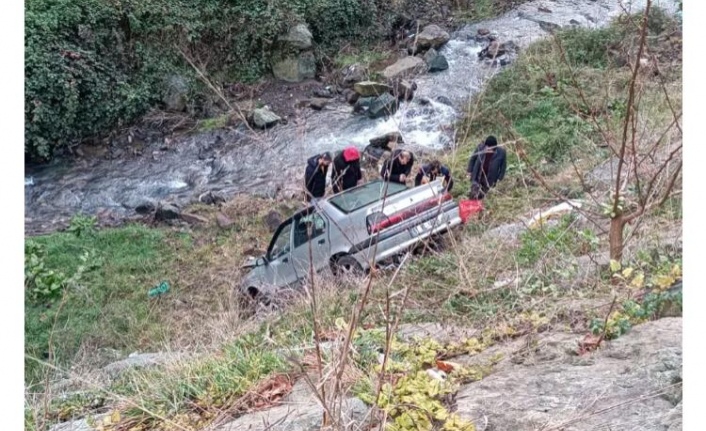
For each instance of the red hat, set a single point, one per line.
(350, 154)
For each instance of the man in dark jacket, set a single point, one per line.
(486, 167)
(315, 175)
(345, 172)
(398, 167)
(430, 171)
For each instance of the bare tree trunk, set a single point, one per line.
(617, 226)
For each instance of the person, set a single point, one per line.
(486, 167)
(398, 167)
(315, 175)
(430, 171)
(345, 172)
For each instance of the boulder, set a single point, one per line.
(298, 37)
(324, 93)
(211, 198)
(141, 360)
(305, 415)
(294, 67)
(383, 106)
(404, 68)
(167, 211)
(264, 118)
(146, 207)
(350, 96)
(370, 88)
(318, 103)
(352, 74)
(432, 36)
(553, 388)
(443, 99)
(223, 221)
(176, 94)
(404, 89)
(438, 63)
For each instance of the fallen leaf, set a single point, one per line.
(446, 366)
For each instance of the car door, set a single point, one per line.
(280, 269)
(310, 241)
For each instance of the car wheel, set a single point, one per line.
(347, 265)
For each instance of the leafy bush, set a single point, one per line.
(82, 225)
(41, 283)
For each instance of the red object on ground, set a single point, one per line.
(350, 154)
(469, 207)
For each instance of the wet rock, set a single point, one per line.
(404, 68)
(141, 360)
(300, 416)
(350, 96)
(483, 32)
(176, 94)
(574, 22)
(298, 37)
(324, 93)
(544, 9)
(404, 89)
(424, 101)
(438, 63)
(561, 390)
(145, 208)
(211, 198)
(429, 55)
(193, 218)
(223, 221)
(370, 88)
(264, 118)
(443, 99)
(353, 73)
(318, 103)
(493, 50)
(272, 220)
(432, 36)
(362, 104)
(294, 67)
(167, 211)
(383, 106)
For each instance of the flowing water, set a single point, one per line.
(238, 161)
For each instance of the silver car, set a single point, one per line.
(350, 232)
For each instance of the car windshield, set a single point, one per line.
(364, 195)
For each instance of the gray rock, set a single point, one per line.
(508, 232)
(301, 416)
(443, 99)
(429, 55)
(78, 425)
(264, 118)
(350, 96)
(404, 68)
(404, 89)
(211, 198)
(298, 37)
(608, 388)
(194, 218)
(176, 94)
(442, 334)
(362, 104)
(318, 103)
(167, 211)
(324, 93)
(224, 222)
(294, 67)
(146, 207)
(141, 361)
(432, 36)
(352, 74)
(371, 88)
(383, 106)
(602, 177)
(438, 63)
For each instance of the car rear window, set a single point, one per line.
(365, 195)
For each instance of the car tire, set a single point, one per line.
(347, 265)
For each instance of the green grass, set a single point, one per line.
(213, 123)
(110, 307)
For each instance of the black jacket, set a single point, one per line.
(425, 170)
(345, 175)
(392, 168)
(496, 169)
(315, 177)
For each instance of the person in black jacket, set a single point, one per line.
(345, 172)
(398, 167)
(431, 171)
(486, 167)
(315, 175)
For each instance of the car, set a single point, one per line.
(350, 232)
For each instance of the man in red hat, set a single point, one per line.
(346, 171)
